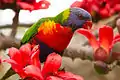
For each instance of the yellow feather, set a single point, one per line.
(47, 27)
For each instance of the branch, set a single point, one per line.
(19, 25)
(15, 24)
(7, 42)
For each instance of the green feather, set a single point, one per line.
(60, 18)
(33, 30)
(65, 15)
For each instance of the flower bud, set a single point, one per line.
(100, 55)
(101, 67)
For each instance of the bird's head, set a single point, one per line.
(79, 18)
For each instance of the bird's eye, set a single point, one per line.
(80, 16)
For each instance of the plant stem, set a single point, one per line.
(9, 73)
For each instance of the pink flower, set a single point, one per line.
(50, 70)
(103, 46)
(32, 4)
(22, 57)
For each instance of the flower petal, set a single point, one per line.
(53, 78)
(15, 55)
(116, 39)
(16, 67)
(35, 57)
(93, 41)
(26, 53)
(106, 37)
(33, 71)
(52, 64)
(77, 4)
(43, 4)
(27, 1)
(25, 6)
(35, 48)
(69, 76)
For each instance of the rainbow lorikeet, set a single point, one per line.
(53, 34)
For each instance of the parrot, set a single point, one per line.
(53, 34)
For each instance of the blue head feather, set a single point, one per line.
(77, 18)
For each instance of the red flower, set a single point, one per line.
(102, 47)
(99, 8)
(32, 4)
(24, 4)
(77, 4)
(22, 57)
(26, 63)
(50, 70)
(117, 8)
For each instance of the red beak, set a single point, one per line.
(87, 25)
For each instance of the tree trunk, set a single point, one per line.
(15, 24)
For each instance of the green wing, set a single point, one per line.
(33, 30)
